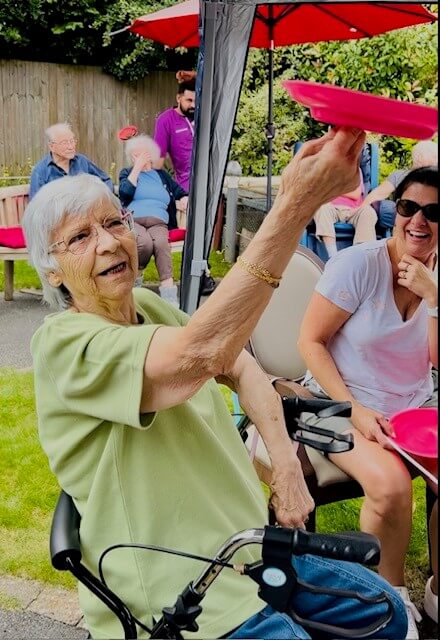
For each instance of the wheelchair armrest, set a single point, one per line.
(64, 534)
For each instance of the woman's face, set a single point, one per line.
(418, 236)
(106, 270)
(142, 155)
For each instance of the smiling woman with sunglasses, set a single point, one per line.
(369, 336)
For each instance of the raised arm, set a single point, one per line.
(179, 361)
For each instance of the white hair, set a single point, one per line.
(59, 127)
(145, 143)
(425, 154)
(67, 196)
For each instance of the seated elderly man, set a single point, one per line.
(136, 429)
(62, 160)
(424, 154)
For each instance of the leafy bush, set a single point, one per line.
(401, 64)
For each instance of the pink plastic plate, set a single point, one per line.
(416, 431)
(345, 107)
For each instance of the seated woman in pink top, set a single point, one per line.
(369, 336)
(346, 208)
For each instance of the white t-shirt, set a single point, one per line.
(383, 360)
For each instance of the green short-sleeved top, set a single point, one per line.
(179, 478)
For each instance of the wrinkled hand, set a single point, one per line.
(372, 424)
(325, 168)
(417, 277)
(290, 497)
(143, 162)
(182, 204)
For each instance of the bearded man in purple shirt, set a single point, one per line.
(174, 133)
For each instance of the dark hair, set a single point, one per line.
(424, 175)
(188, 85)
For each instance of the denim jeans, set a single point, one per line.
(342, 612)
(386, 213)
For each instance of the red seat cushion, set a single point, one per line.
(12, 237)
(176, 234)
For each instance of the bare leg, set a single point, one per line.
(387, 508)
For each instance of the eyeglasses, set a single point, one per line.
(407, 208)
(82, 240)
(66, 143)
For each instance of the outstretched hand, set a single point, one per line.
(324, 168)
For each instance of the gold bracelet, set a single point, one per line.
(259, 272)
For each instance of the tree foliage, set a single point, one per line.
(401, 64)
(77, 32)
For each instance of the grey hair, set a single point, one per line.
(146, 144)
(67, 196)
(425, 154)
(55, 128)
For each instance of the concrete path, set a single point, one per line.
(32, 609)
(19, 320)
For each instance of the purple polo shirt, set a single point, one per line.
(174, 134)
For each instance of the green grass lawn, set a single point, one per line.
(29, 492)
(25, 277)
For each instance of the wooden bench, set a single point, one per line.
(13, 201)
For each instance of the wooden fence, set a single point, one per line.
(34, 95)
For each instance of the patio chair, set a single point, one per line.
(273, 344)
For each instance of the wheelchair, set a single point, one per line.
(274, 573)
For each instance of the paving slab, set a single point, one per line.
(58, 604)
(18, 625)
(24, 591)
(19, 319)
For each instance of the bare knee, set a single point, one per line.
(389, 490)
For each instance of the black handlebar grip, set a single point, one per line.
(352, 547)
(293, 407)
(64, 535)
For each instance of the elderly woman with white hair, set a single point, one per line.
(136, 429)
(151, 196)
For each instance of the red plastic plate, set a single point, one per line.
(416, 431)
(127, 132)
(345, 107)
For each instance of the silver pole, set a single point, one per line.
(233, 173)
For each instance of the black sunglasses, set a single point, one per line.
(408, 208)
